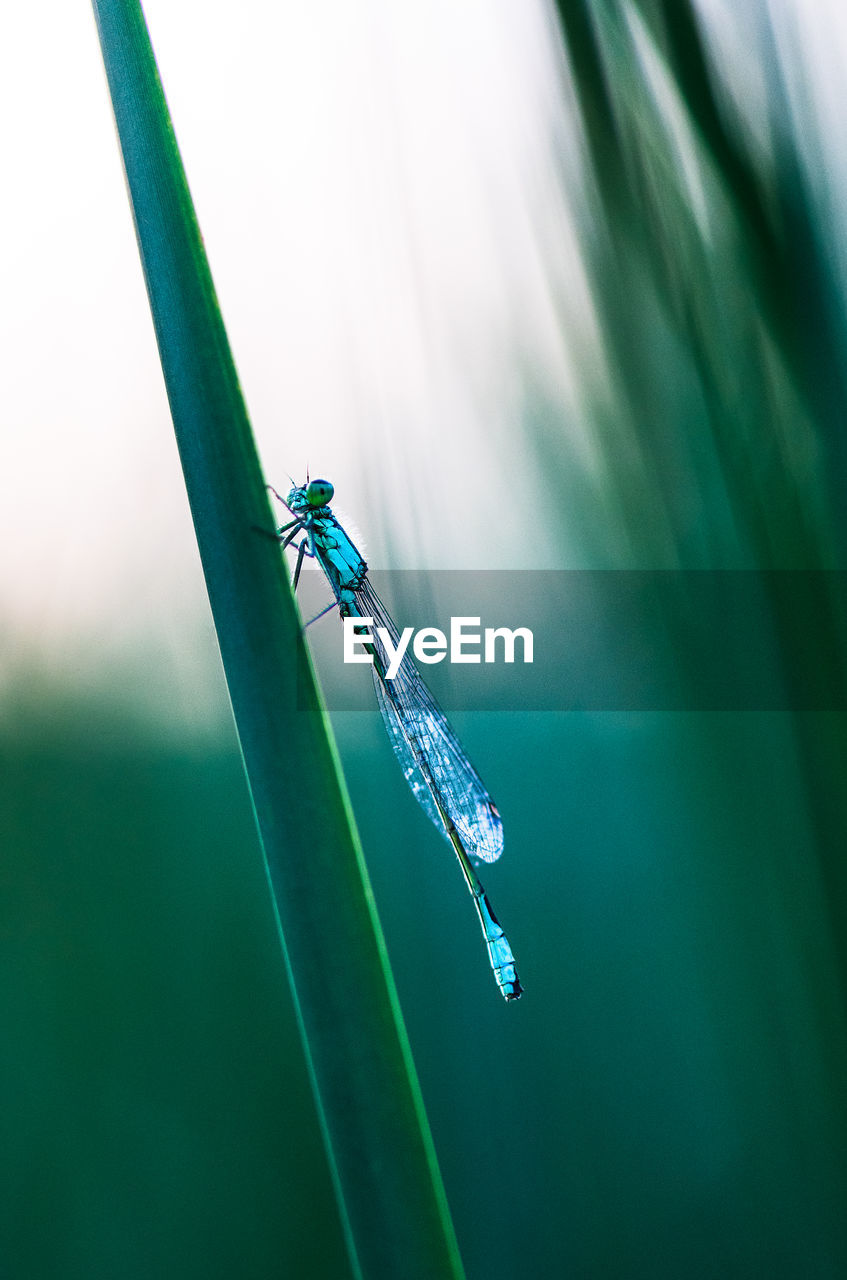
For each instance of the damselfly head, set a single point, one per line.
(319, 493)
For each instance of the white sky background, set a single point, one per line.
(392, 248)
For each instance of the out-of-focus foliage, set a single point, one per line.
(719, 424)
(718, 432)
(719, 429)
(158, 1117)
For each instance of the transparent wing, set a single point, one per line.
(432, 758)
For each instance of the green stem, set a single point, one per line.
(389, 1188)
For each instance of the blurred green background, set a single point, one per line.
(585, 266)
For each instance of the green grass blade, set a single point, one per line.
(719, 430)
(390, 1192)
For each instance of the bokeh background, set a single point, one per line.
(536, 287)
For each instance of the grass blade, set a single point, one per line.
(390, 1192)
(726, 347)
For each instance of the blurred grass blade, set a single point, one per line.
(390, 1193)
(718, 425)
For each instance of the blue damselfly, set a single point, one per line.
(433, 760)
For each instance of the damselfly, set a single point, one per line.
(433, 760)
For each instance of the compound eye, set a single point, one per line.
(319, 493)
